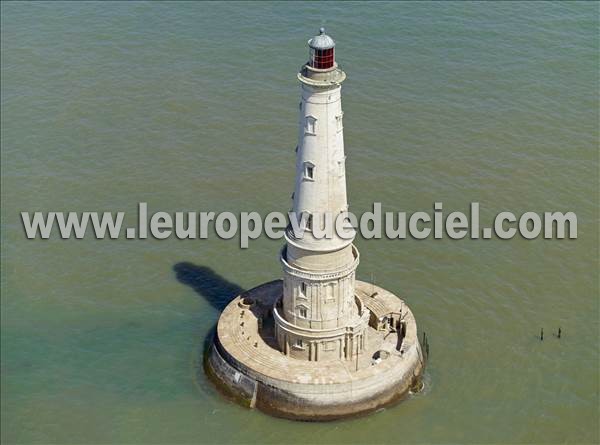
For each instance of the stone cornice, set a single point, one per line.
(320, 276)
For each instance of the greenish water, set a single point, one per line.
(193, 106)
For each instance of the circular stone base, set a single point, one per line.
(245, 362)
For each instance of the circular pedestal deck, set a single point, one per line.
(245, 362)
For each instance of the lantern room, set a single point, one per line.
(322, 51)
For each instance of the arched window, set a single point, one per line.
(310, 125)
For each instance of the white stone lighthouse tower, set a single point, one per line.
(318, 344)
(320, 318)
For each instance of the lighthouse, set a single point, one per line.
(319, 317)
(318, 344)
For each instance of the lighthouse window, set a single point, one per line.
(299, 343)
(303, 312)
(329, 297)
(338, 120)
(309, 171)
(341, 166)
(303, 287)
(309, 125)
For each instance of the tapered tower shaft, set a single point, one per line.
(319, 317)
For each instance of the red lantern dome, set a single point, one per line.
(322, 51)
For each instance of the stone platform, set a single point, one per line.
(245, 362)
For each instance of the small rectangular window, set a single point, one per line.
(310, 125)
(303, 312)
(329, 297)
(341, 166)
(299, 343)
(310, 170)
(339, 124)
(303, 287)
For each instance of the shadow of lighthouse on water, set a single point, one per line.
(217, 290)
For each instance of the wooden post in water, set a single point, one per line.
(372, 283)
